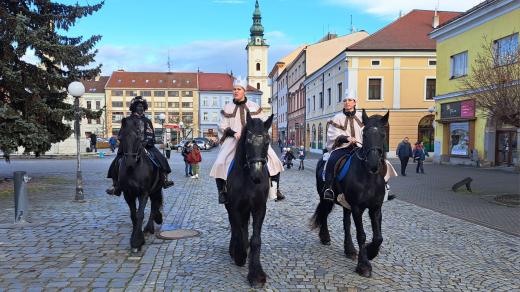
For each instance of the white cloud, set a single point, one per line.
(391, 9)
(206, 55)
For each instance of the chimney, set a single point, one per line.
(435, 18)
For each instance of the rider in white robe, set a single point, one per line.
(232, 122)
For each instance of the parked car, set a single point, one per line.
(203, 145)
(180, 145)
(206, 140)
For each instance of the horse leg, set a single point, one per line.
(155, 213)
(139, 237)
(242, 238)
(363, 267)
(319, 219)
(377, 237)
(256, 275)
(350, 250)
(131, 205)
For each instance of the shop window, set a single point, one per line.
(459, 139)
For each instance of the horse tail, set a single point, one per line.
(319, 218)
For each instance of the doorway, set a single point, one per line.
(426, 132)
(506, 150)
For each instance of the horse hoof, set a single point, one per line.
(364, 272)
(351, 255)
(135, 250)
(325, 241)
(258, 281)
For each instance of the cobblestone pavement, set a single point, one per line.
(79, 246)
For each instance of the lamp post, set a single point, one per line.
(76, 89)
(181, 125)
(161, 117)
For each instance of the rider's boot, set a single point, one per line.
(222, 191)
(114, 190)
(166, 182)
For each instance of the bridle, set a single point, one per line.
(363, 152)
(251, 160)
(137, 154)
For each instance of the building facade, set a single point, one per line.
(257, 59)
(216, 90)
(94, 99)
(176, 95)
(393, 69)
(463, 133)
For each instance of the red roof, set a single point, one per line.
(123, 79)
(218, 82)
(409, 33)
(95, 86)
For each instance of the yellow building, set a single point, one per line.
(175, 95)
(461, 126)
(393, 69)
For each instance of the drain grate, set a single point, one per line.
(177, 234)
(509, 199)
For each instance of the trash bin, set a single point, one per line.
(168, 152)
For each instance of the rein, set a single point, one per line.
(252, 160)
(363, 152)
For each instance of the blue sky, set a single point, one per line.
(211, 34)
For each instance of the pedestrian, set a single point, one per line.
(93, 141)
(301, 156)
(186, 149)
(404, 152)
(419, 155)
(231, 125)
(113, 143)
(194, 158)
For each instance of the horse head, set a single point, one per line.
(374, 137)
(256, 141)
(131, 141)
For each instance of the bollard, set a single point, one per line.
(20, 196)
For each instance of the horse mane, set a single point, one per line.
(240, 153)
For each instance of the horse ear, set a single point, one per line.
(249, 120)
(268, 122)
(364, 116)
(384, 119)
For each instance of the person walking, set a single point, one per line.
(194, 158)
(186, 149)
(419, 155)
(93, 141)
(113, 143)
(404, 152)
(301, 156)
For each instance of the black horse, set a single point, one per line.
(248, 188)
(364, 188)
(139, 180)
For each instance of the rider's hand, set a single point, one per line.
(353, 140)
(237, 135)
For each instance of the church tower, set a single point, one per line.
(257, 59)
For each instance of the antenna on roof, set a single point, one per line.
(169, 63)
(352, 28)
(400, 13)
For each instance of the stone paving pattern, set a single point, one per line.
(85, 246)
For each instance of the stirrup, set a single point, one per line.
(328, 194)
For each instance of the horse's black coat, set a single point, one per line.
(248, 188)
(364, 188)
(139, 180)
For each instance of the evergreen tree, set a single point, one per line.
(33, 110)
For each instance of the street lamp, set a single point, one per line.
(161, 117)
(76, 89)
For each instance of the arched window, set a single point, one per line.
(320, 136)
(313, 137)
(257, 66)
(258, 85)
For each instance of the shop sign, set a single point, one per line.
(458, 109)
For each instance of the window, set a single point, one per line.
(117, 117)
(187, 118)
(321, 99)
(159, 93)
(215, 101)
(257, 66)
(314, 102)
(376, 62)
(506, 50)
(205, 116)
(173, 93)
(98, 104)
(204, 101)
(160, 104)
(173, 117)
(432, 62)
(98, 121)
(173, 104)
(89, 121)
(329, 94)
(374, 89)
(127, 104)
(214, 117)
(146, 93)
(430, 88)
(459, 65)
(156, 117)
(187, 105)
(117, 93)
(187, 93)
(459, 139)
(340, 91)
(258, 85)
(89, 104)
(309, 104)
(131, 93)
(117, 104)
